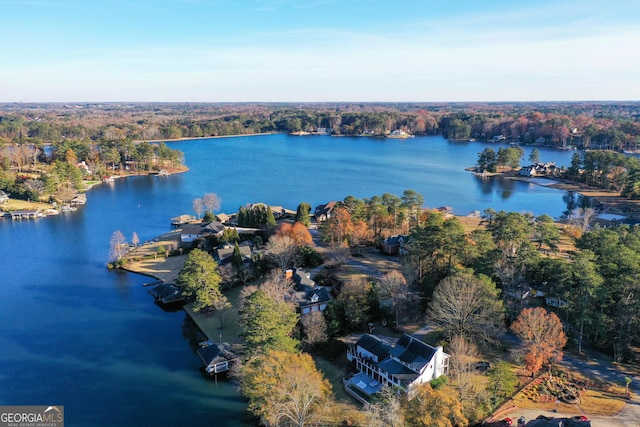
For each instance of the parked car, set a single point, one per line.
(580, 418)
(483, 366)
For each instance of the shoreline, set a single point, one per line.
(194, 138)
(43, 207)
(609, 201)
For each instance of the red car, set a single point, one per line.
(507, 421)
(580, 418)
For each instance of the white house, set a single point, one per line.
(407, 363)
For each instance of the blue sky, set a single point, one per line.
(319, 50)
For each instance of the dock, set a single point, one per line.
(23, 214)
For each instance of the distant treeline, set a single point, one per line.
(614, 126)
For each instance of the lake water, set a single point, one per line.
(73, 333)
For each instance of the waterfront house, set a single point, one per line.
(538, 169)
(191, 232)
(395, 245)
(323, 212)
(405, 364)
(4, 197)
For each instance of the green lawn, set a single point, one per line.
(209, 323)
(334, 374)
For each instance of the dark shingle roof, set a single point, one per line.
(412, 352)
(323, 297)
(374, 345)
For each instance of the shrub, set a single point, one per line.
(438, 382)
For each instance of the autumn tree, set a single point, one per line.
(469, 306)
(199, 279)
(359, 235)
(428, 407)
(338, 228)
(267, 324)
(284, 389)
(298, 232)
(543, 337)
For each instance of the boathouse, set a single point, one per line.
(166, 293)
(24, 214)
(217, 358)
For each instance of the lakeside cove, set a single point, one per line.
(103, 330)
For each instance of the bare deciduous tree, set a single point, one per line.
(198, 206)
(386, 411)
(582, 218)
(469, 306)
(211, 202)
(338, 256)
(464, 354)
(282, 250)
(278, 287)
(393, 286)
(135, 240)
(117, 246)
(315, 328)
